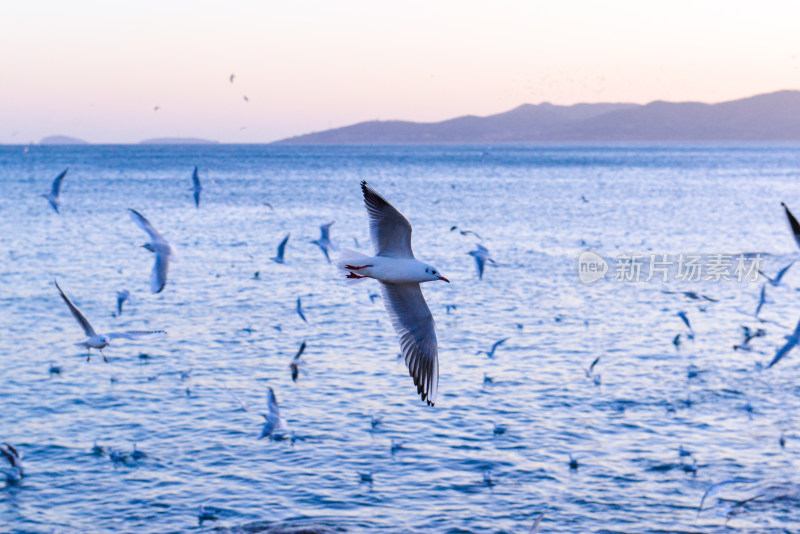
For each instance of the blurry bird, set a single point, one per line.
(54, 369)
(53, 196)
(793, 224)
(299, 310)
(466, 232)
(156, 108)
(272, 421)
(232, 77)
(777, 280)
(100, 341)
(677, 341)
(205, 515)
(281, 250)
(761, 300)
(450, 307)
(375, 421)
(535, 527)
(122, 296)
(481, 255)
(791, 342)
(242, 405)
(158, 245)
(15, 471)
(196, 187)
(296, 361)
(685, 319)
(97, 450)
(490, 352)
(246, 99)
(573, 462)
(324, 241)
(137, 454)
(365, 477)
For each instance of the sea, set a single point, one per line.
(677, 403)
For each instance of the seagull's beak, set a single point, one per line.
(443, 279)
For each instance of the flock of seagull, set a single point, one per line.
(399, 275)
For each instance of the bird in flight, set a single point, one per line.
(793, 224)
(196, 187)
(272, 421)
(281, 250)
(296, 361)
(481, 255)
(324, 241)
(100, 341)
(400, 275)
(158, 245)
(55, 190)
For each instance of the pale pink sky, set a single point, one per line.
(96, 69)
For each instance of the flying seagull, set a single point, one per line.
(197, 187)
(281, 249)
(13, 458)
(490, 352)
(299, 310)
(296, 361)
(99, 341)
(162, 249)
(122, 296)
(481, 255)
(324, 241)
(793, 224)
(761, 300)
(400, 275)
(232, 77)
(272, 421)
(465, 232)
(777, 280)
(52, 197)
(791, 342)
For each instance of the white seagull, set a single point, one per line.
(324, 241)
(52, 197)
(162, 249)
(100, 341)
(791, 342)
(481, 255)
(122, 296)
(272, 421)
(15, 472)
(281, 250)
(296, 361)
(400, 275)
(196, 187)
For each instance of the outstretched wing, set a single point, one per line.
(158, 277)
(56, 188)
(300, 352)
(145, 225)
(272, 421)
(389, 230)
(413, 322)
(282, 246)
(325, 229)
(793, 224)
(82, 320)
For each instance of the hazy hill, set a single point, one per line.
(767, 117)
(62, 140)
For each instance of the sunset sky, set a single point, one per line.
(96, 69)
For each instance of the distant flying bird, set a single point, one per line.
(100, 341)
(490, 352)
(281, 250)
(272, 421)
(793, 224)
(691, 294)
(400, 275)
(791, 342)
(158, 245)
(714, 489)
(535, 527)
(196, 187)
(246, 99)
(122, 296)
(296, 361)
(15, 473)
(232, 77)
(590, 371)
(156, 108)
(481, 255)
(685, 319)
(324, 241)
(761, 300)
(299, 310)
(465, 232)
(53, 196)
(777, 280)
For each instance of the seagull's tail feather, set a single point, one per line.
(351, 257)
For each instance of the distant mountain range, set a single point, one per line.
(766, 117)
(62, 140)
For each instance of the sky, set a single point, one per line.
(97, 69)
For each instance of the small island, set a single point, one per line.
(62, 140)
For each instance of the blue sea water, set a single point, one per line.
(490, 456)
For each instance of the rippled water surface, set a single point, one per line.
(490, 456)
